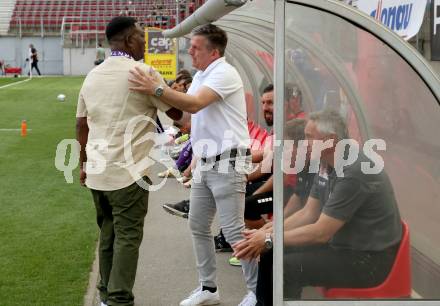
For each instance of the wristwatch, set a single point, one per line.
(158, 91)
(268, 241)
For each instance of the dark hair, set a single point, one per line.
(292, 90)
(184, 77)
(268, 88)
(186, 81)
(295, 130)
(118, 25)
(217, 37)
(183, 72)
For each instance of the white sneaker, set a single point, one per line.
(249, 300)
(103, 304)
(199, 298)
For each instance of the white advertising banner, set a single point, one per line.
(435, 30)
(405, 17)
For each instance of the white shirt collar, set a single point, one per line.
(212, 65)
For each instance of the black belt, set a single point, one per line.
(233, 153)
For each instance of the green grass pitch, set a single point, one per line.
(47, 227)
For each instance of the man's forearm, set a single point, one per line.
(266, 187)
(182, 101)
(148, 84)
(300, 218)
(188, 170)
(82, 134)
(307, 215)
(257, 156)
(304, 235)
(292, 206)
(264, 164)
(255, 174)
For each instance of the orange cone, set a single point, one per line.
(23, 128)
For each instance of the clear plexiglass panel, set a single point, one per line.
(253, 69)
(335, 64)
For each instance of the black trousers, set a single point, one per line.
(257, 205)
(251, 187)
(35, 65)
(262, 203)
(324, 266)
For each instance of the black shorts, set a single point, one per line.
(262, 203)
(257, 205)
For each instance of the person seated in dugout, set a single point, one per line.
(349, 230)
(261, 201)
(303, 181)
(294, 103)
(182, 83)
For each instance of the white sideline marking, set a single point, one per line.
(12, 130)
(15, 83)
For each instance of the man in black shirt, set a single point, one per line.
(33, 57)
(348, 232)
(304, 181)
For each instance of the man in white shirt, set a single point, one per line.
(219, 135)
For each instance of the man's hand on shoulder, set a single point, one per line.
(142, 81)
(147, 83)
